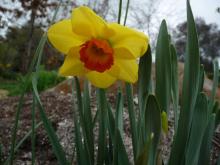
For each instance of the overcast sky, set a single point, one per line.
(174, 11)
(201, 8)
(207, 9)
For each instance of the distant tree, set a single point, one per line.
(36, 9)
(218, 9)
(209, 41)
(13, 46)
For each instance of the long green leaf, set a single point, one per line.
(153, 125)
(82, 121)
(102, 107)
(205, 151)
(217, 120)
(218, 161)
(200, 119)
(57, 148)
(214, 87)
(80, 150)
(174, 85)
(21, 100)
(120, 156)
(119, 112)
(36, 58)
(88, 122)
(33, 136)
(1, 154)
(201, 78)
(144, 78)
(29, 133)
(131, 112)
(189, 91)
(144, 156)
(163, 68)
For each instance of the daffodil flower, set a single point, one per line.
(102, 52)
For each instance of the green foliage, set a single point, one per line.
(189, 92)
(13, 51)
(47, 79)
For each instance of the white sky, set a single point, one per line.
(201, 8)
(174, 11)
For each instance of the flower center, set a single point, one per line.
(97, 55)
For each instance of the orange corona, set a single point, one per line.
(97, 55)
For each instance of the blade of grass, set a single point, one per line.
(189, 91)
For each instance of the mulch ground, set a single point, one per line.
(58, 107)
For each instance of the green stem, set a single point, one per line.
(102, 107)
(126, 12)
(119, 11)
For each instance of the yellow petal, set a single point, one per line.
(62, 36)
(128, 43)
(123, 53)
(128, 70)
(101, 80)
(72, 66)
(114, 71)
(85, 22)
